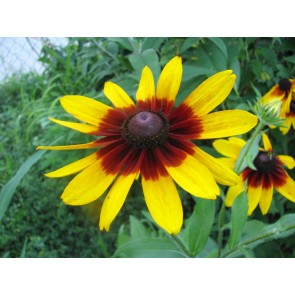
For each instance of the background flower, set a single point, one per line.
(269, 174)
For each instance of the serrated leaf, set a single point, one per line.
(239, 217)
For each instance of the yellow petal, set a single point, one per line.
(115, 200)
(274, 93)
(84, 128)
(117, 95)
(228, 162)
(229, 148)
(89, 145)
(287, 189)
(73, 167)
(170, 79)
(163, 202)
(265, 199)
(287, 126)
(233, 192)
(88, 185)
(266, 142)
(254, 194)
(288, 161)
(146, 88)
(211, 92)
(194, 177)
(226, 123)
(84, 108)
(221, 173)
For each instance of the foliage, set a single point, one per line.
(38, 224)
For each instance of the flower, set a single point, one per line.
(285, 92)
(269, 174)
(151, 139)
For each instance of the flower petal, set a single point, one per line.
(288, 188)
(170, 79)
(117, 95)
(89, 145)
(115, 200)
(88, 185)
(146, 88)
(254, 195)
(163, 202)
(228, 162)
(221, 173)
(211, 92)
(84, 108)
(287, 125)
(265, 199)
(226, 123)
(84, 128)
(288, 161)
(266, 143)
(192, 176)
(233, 192)
(273, 93)
(73, 167)
(229, 148)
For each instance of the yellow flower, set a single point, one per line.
(152, 139)
(270, 174)
(285, 92)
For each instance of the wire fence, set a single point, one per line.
(20, 55)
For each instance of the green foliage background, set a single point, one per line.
(38, 224)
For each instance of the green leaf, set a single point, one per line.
(137, 229)
(239, 217)
(9, 188)
(253, 148)
(190, 72)
(148, 247)
(152, 42)
(199, 225)
(290, 58)
(220, 44)
(283, 228)
(148, 58)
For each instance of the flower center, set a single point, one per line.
(292, 107)
(285, 85)
(265, 162)
(145, 124)
(146, 129)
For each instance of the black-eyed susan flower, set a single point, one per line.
(285, 92)
(260, 183)
(152, 139)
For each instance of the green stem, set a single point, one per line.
(220, 231)
(256, 239)
(181, 245)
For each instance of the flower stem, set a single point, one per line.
(257, 239)
(220, 231)
(181, 245)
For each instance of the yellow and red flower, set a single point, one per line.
(152, 139)
(285, 92)
(260, 183)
